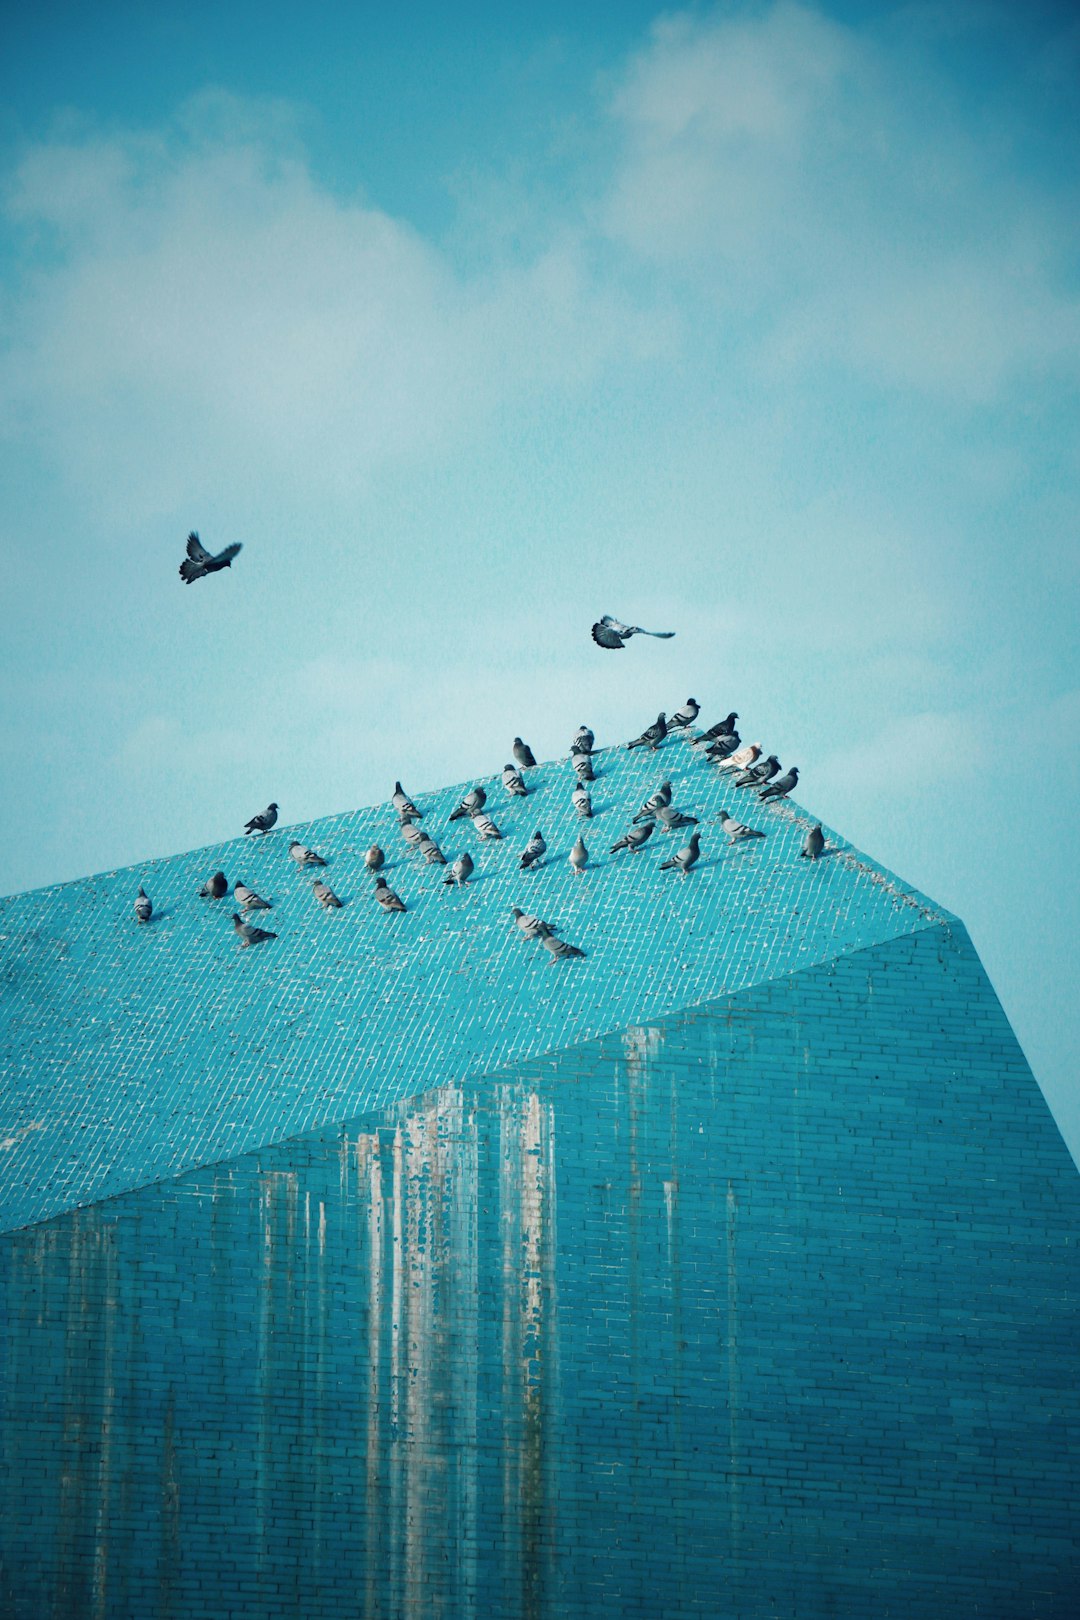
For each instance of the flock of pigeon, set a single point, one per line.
(721, 744)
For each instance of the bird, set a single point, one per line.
(386, 896)
(815, 843)
(429, 849)
(722, 728)
(524, 754)
(583, 767)
(782, 786)
(303, 856)
(461, 871)
(579, 856)
(473, 801)
(514, 782)
(583, 741)
(683, 859)
(558, 947)
(534, 850)
(722, 748)
(669, 818)
(412, 834)
(374, 858)
(685, 716)
(404, 805)
(215, 887)
(531, 927)
(633, 838)
(247, 899)
(608, 632)
(199, 561)
(325, 895)
(737, 830)
(652, 736)
(763, 771)
(263, 822)
(484, 825)
(249, 934)
(582, 801)
(144, 906)
(652, 804)
(741, 759)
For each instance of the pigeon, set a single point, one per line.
(263, 822)
(583, 767)
(683, 859)
(144, 906)
(685, 716)
(513, 782)
(558, 947)
(763, 771)
(404, 805)
(524, 754)
(215, 887)
(608, 632)
(723, 747)
(669, 818)
(741, 759)
(782, 786)
(461, 871)
(722, 728)
(325, 895)
(652, 804)
(652, 736)
(534, 850)
(531, 927)
(429, 849)
(583, 741)
(249, 934)
(386, 896)
(633, 838)
(247, 899)
(374, 858)
(199, 561)
(303, 856)
(484, 825)
(473, 801)
(815, 843)
(579, 856)
(582, 801)
(412, 834)
(737, 830)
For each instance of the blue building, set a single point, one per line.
(393, 1268)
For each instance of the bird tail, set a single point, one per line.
(189, 571)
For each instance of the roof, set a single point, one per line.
(134, 1053)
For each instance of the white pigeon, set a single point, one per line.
(741, 759)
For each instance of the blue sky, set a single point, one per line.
(759, 322)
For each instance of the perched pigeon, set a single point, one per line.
(429, 849)
(741, 759)
(608, 632)
(583, 767)
(374, 858)
(461, 871)
(633, 838)
(579, 856)
(214, 888)
(386, 896)
(763, 771)
(303, 856)
(669, 818)
(524, 754)
(412, 834)
(404, 805)
(652, 804)
(531, 927)
(558, 947)
(683, 859)
(652, 736)
(815, 843)
(738, 830)
(474, 800)
(247, 899)
(514, 782)
(263, 822)
(249, 934)
(484, 825)
(722, 748)
(325, 895)
(534, 850)
(722, 728)
(200, 561)
(685, 716)
(582, 801)
(782, 786)
(583, 741)
(144, 906)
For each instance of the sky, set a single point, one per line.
(757, 322)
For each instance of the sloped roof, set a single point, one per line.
(135, 1053)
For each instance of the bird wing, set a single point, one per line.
(605, 636)
(196, 550)
(661, 635)
(227, 555)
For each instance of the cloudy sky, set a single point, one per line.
(759, 322)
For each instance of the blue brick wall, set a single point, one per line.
(764, 1309)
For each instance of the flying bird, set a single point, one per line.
(374, 858)
(325, 895)
(386, 896)
(583, 741)
(582, 801)
(815, 843)
(608, 632)
(247, 899)
(514, 782)
(583, 767)
(534, 850)
(304, 856)
(782, 786)
(633, 838)
(199, 561)
(558, 947)
(404, 805)
(524, 754)
(653, 803)
(263, 822)
(249, 934)
(685, 716)
(579, 856)
(531, 927)
(214, 888)
(473, 801)
(144, 906)
(741, 759)
(484, 825)
(652, 736)
(683, 859)
(461, 871)
(738, 830)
